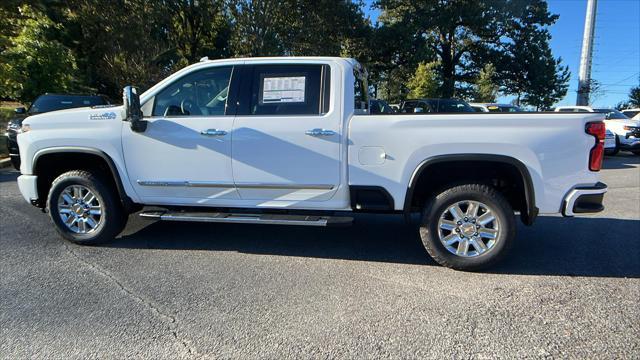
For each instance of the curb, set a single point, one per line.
(5, 163)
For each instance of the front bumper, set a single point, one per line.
(631, 141)
(28, 185)
(584, 200)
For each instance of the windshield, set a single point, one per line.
(380, 107)
(612, 114)
(631, 113)
(46, 103)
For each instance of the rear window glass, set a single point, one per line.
(48, 103)
(612, 114)
(290, 90)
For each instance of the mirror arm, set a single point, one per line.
(139, 125)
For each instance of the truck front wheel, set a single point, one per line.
(84, 209)
(468, 227)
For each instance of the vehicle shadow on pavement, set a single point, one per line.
(598, 247)
(622, 160)
(8, 175)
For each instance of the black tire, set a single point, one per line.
(15, 161)
(112, 219)
(436, 207)
(616, 150)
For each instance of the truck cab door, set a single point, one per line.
(184, 155)
(287, 136)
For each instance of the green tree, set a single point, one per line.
(32, 61)
(525, 65)
(425, 82)
(486, 89)
(634, 96)
(198, 28)
(464, 35)
(298, 27)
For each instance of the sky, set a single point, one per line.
(616, 55)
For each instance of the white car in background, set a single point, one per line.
(633, 114)
(627, 131)
(484, 107)
(610, 145)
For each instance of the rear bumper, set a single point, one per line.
(584, 200)
(28, 185)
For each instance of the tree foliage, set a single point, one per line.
(31, 62)
(438, 48)
(298, 27)
(634, 96)
(486, 88)
(425, 82)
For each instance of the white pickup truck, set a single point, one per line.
(290, 141)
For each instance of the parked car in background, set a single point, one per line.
(435, 106)
(627, 131)
(484, 107)
(377, 106)
(610, 144)
(633, 114)
(42, 104)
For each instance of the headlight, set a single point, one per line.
(13, 126)
(630, 128)
(25, 128)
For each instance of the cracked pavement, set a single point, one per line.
(570, 288)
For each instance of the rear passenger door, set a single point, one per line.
(286, 135)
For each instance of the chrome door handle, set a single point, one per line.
(320, 132)
(213, 132)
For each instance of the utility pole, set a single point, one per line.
(584, 82)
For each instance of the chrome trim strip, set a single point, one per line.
(233, 218)
(284, 186)
(239, 186)
(185, 184)
(574, 194)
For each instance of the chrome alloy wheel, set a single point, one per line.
(79, 209)
(468, 228)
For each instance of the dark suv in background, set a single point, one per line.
(45, 103)
(435, 106)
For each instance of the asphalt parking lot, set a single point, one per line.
(570, 288)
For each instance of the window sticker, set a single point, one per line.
(283, 90)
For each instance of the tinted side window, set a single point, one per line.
(289, 90)
(202, 93)
(360, 92)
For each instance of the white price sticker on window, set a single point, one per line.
(283, 89)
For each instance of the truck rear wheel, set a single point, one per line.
(468, 227)
(84, 209)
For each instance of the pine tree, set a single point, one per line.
(425, 82)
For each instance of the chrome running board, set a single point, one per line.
(241, 218)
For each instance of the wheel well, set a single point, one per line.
(51, 165)
(507, 177)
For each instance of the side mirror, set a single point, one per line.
(20, 111)
(132, 111)
(418, 110)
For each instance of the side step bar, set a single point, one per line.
(271, 219)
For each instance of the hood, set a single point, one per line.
(627, 122)
(75, 117)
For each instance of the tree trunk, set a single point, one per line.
(448, 70)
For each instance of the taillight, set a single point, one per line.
(597, 130)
